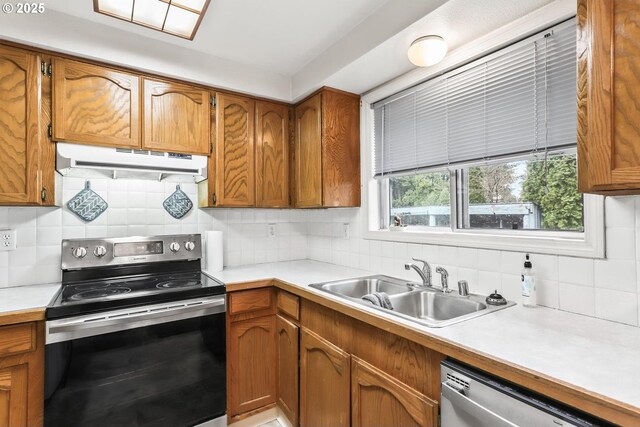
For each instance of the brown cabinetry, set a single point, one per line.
(21, 375)
(95, 105)
(251, 352)
(325, 380)
(379, 400)
(327, 150)
(608, 93)
(26, 154)
(231, 175)
(272, 155)
(287, 335)
(176, 118)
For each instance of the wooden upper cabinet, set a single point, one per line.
(379, 400)
(95, 105)
(176, 118)
(308, 155)
(324, 383)
(608, 93)
(272, 155)
(327, 150)
(20, 132)
(231, 166)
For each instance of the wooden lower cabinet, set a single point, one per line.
(288, 340)
(251, 366)
(379, 400)
(22, 375)
(325, 381)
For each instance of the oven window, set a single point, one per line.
(171, 374)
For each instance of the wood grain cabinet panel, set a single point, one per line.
(325, 379)
(308, 156)
(608, 93)
(19, 126)
(327, 150)
(251, 355)
(379, 400)
(95, 105)
(287, 334)
(14, 396)
(176, 118)
(231, 180)
(272, 155)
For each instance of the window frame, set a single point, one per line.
(587, 244)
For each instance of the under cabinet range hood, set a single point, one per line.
(90, 161)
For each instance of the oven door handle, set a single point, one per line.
(135, 317)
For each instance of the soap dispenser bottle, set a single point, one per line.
(528, 281)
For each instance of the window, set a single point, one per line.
(484, 155)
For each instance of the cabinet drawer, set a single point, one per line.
(16, 339)
(248, 301)
(289, 304)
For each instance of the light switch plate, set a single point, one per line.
(8, 240)
(345, 231)
(272, 230)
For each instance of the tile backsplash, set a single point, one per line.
(608, 289)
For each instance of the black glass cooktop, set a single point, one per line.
(93, 294)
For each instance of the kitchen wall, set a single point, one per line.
(608, 289)
(135, 208)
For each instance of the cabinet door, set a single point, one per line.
(19, 126)
(176, 118)
(324, 383)
(13, 396)
(608, 93)
(287, 366)
(234, 172)
(379, 400)
(95, 105)
(308, 153)
(272, 155)
(251, 364)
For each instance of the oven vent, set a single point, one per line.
(458, 381)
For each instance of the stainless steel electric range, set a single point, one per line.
(135, 336)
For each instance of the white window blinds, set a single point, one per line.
(518, 100)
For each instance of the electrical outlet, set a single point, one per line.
(8, 240)
(272, 230)
(345, 231)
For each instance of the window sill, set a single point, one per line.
(579, 246)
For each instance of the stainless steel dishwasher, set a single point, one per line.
(471, 398)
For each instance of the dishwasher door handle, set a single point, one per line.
(477, 411)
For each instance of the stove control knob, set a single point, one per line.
(100, 251)
(174, 246)
(79, 252)
(190, 246)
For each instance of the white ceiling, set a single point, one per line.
(280, 49)
(276, 35)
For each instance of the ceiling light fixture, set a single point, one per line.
(177, 17)
(427, 50)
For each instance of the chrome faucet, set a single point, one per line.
(424, 272)
(444, 279)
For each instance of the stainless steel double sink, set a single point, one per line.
(424, 305)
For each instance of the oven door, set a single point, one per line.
(160, 365)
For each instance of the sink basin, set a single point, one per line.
(434, 306)
(426, 306)
(357, 288)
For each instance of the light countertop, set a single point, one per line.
(597, 355)
(20, 298)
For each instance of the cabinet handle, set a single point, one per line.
(213, 199)
(43, 194)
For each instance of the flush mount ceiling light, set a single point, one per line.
(177, 17)
(427, 50)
